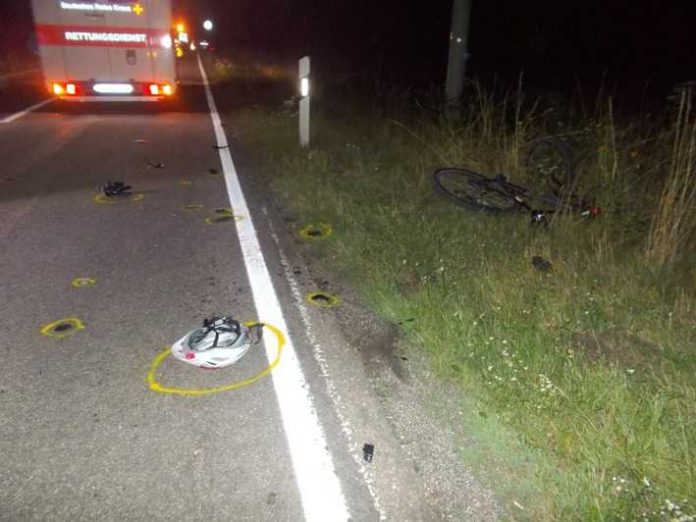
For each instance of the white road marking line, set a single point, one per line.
(318, 484)
(26, 111)
(319, 356)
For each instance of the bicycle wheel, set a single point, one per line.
(472, 190)
(549, 160)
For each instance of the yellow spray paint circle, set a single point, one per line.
(103, 199)
(82, 282)
(62, 327)
(322, 299)
(316, 232)
(184, 183)
(158, 387)
(192, 206)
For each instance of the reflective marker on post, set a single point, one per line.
(304, 101)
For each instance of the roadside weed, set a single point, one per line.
(587, 369)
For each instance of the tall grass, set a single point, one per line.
(675, 218)
(245, 67)
(587, 370)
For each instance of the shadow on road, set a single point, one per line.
(57, 129)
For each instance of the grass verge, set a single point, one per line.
(577, 382)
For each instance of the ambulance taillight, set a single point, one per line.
(64, 89)
(163, 89)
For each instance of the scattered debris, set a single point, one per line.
(193, 206)
(159, 165)
(541, 264)
(218, 147)
(539, 218)
(140, 140)
(184, 183)
(591, 212)
(114, 188)
(220, 342)
(368, 452)
(213, 171)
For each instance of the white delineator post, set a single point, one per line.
(304, 101)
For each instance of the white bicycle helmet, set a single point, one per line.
(221, 341)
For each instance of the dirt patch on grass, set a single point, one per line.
(375, 340)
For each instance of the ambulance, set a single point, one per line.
(110, 50)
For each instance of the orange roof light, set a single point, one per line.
(180, 27)
(167, 89)
(58, 89)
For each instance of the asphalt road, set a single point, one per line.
(82, 436)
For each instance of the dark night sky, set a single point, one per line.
(553, 40)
